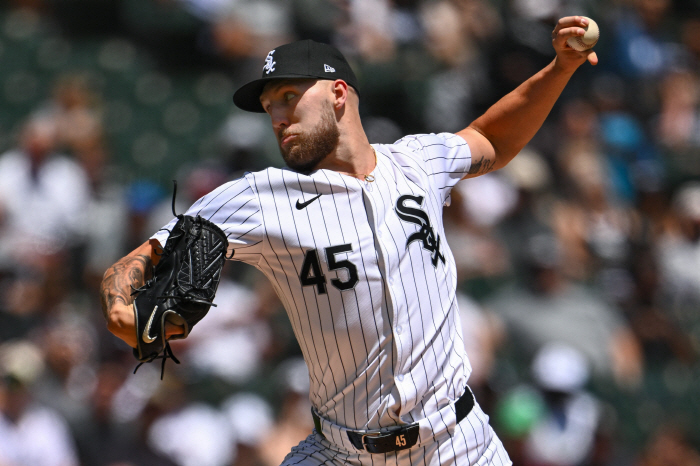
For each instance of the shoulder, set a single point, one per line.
(444, 155)
(253, 189)
(239, 188)
(432, 148)
(270, 173)
(273, 180)
(423, 142)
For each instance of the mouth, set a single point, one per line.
(286, 139)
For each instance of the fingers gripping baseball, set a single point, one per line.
(567, 28)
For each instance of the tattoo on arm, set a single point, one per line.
(481, 166)
(117, 282)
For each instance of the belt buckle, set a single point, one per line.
(369, 434)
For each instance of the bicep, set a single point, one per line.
(482, 152)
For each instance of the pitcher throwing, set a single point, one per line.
(351, 237)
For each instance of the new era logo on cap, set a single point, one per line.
(328, 69)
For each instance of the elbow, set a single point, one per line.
(503, 159)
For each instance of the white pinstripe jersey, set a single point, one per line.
(364, 273)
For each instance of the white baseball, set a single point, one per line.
(586, 41)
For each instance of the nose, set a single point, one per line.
(279, 117)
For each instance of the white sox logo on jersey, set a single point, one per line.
(426, 235)
(269, 64)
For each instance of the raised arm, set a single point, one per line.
(506, 127)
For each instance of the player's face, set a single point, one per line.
(303, 120)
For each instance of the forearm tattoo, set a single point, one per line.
(481, 166)
(118, 280)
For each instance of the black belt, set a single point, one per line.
(399, 437)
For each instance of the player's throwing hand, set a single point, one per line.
(568, 58)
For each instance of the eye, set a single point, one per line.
(288, 96)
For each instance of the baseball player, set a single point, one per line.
(351, 237)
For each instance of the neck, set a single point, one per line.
(353, 155)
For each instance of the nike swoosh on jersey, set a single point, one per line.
(301, 205)
(146, 336)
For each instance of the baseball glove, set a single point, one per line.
(182, 286)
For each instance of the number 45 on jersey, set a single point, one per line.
(311, 274)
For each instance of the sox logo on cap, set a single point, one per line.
(269, 64)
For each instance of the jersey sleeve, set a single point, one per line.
(445, 157)
(234, 208)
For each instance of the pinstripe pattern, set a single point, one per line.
(369, 287)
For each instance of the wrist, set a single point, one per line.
(563, 67)
(121, 323)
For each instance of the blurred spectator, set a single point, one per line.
(662, 335)
(30, 434)
(677, 124)
(545, 307)
(459, 85)
(68, 343)
(530, 175)
(678, 117)
(556, 421)
(566, 433)
(594, 228)
(679, 259)
(209, 440)
(76, 110)
(468, 228)
(43, 196)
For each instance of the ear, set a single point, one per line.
(340, 93)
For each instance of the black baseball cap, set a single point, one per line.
(297, 60)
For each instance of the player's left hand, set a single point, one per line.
(569, 59)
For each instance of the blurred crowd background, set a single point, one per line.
(579, 263)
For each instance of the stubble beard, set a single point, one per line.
(310, 148)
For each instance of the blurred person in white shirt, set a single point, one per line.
(43, 195)
(30, 433)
